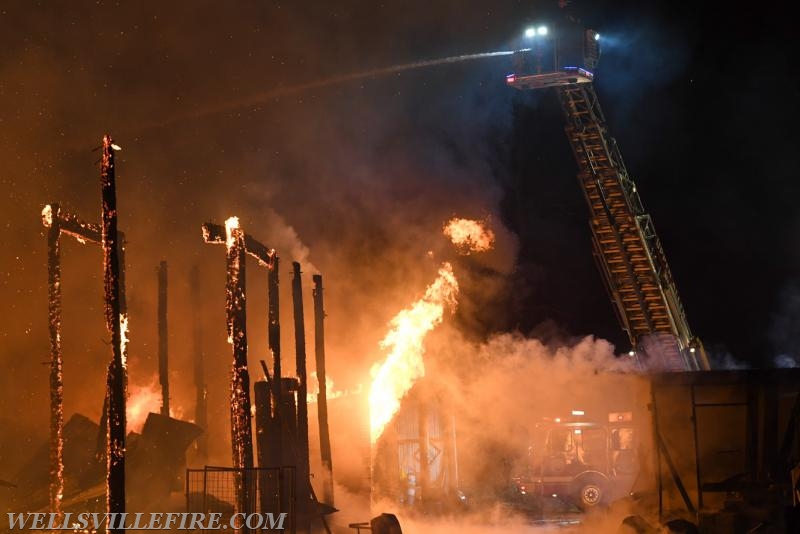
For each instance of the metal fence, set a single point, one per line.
(228, 491)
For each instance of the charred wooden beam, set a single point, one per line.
(163, 340)
(241, 432)
(237, 335)
(288, 409)
(274, 341)
(269, 494)
(59, 222)
(303, 467)
(215, 233)
(322, 397)
(116, 381)
(123, 307)
(272, 437)
(56, 362)
(238, 245)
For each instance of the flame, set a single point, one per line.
(405, 343)
(469, 235)
(141, 401)
(330, 390)
(231, 224)
(123, 337)
(144, 399)
(47, 216)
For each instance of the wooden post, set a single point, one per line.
(274, 334)
(116, 380)
(241, 434)
(51, 215)
(238, 244)
(288, 433)
(303, 467)
(268, 484)
(322, 398)
(60, 222)
(163, 340)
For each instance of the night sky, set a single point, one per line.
(702, 99)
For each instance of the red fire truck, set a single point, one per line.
(586, 463)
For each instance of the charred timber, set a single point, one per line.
(322, 397)
(303, 468)
(56, 362)
(242, 440)
(275, 457)
(163, 340)
(61, 222)
(115, 442)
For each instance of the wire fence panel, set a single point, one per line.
(229, 491)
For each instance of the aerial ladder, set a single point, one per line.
(626, 247)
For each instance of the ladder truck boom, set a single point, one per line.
(627, 250)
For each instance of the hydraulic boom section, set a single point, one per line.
(626, 247)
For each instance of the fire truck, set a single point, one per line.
(585, 463)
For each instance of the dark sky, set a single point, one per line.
(702, 99)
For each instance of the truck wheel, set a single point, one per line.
(590, 492)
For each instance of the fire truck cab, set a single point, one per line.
(586, 463)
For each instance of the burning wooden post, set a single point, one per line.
(303, 468)
(116, 323)
(163, 341)
(201, 399)
(238, 244)
(59, 222)
(322, 397)
(52, 219)
(241, 433)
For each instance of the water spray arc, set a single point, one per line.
(263, 97)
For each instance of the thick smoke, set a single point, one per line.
(354, 182)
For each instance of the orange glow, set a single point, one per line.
(332, 393)
(144, 399)
(404, 343)
(469, 235)
(141, 401)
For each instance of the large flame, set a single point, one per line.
(405, 343)
(469, 235)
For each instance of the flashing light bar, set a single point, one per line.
(620, 417)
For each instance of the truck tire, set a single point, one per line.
(590, 492)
